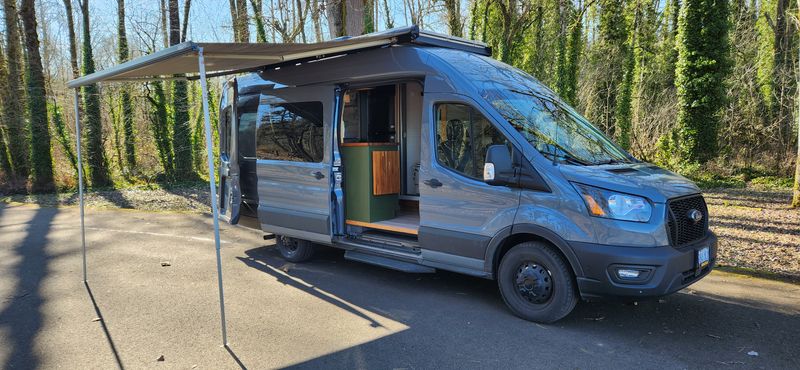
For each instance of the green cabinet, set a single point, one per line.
(371, 181)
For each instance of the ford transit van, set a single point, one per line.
(428, 154)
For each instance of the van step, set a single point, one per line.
(387, 262)
(398, 241)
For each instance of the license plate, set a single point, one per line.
(702, 257)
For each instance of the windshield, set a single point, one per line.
(549, 124)
(554, 128)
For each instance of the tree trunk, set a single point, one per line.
(453, 17)
(796, 193)
(315, 15)
(369, 16)
(92, 124)
(41, 156)
(165, 34)
(258, 16)
(388, 13)
(186, 6)
(5, 163)
(125, 97)
(13, 104)
(336, 18)
(243, 21)
(346, 17)
(181, 131)
(73, 47)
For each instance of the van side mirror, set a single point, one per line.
(498, 168)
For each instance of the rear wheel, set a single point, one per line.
(294, 250)
(536, 283)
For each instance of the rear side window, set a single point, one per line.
(291, 132)
(463, 135)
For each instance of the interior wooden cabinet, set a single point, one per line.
(379, 154)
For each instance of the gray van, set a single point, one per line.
(432, 155)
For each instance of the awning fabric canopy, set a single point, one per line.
(194, 60)
(227, 58)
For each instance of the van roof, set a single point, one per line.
(229, 58)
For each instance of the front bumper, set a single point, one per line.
(668, 269)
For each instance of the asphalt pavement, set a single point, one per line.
(152, 302)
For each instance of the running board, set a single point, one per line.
(387, 262)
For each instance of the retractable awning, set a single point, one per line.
(227, 58)
(192, 60)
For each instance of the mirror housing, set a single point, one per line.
(498, 168)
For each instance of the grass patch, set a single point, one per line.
(745, 271)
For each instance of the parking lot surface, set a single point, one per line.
(151, 302)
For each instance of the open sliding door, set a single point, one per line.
(229, 191)
(293, 150)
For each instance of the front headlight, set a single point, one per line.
(618, 206)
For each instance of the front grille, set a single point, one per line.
(680, 228)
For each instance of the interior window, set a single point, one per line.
(463, 135)
(291, 132)
(368, 115)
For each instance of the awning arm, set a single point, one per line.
(213, 188)
(80, 178)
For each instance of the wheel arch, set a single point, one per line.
(519, 233)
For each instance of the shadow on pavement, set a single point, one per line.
(21, 317)
(273, 266)
(103, 325)
(456, 320)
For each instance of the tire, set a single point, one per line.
(536, 283)
(294, 250)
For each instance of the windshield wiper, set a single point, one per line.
(608, 161)
(567, 158)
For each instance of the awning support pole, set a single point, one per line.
(80, 176)
(213, 187)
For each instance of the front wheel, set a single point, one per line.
(536, 283)
(294, 250)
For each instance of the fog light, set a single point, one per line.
(628, 273)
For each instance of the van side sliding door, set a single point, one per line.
(229, 191)
(293, 151)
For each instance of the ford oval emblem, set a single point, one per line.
(695, 216)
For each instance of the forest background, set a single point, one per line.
(707, 88)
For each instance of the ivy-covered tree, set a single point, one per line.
(41, 155)
(181, 129)
(5, 163)
(14, 103)
(570, 47)
(700, 74)
(453, 15)
(607, 57)
(125, 95)
(92, 124)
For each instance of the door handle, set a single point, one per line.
(434, 183)
(318, 175)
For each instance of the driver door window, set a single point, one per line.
(463, 135)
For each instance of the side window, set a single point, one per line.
(463, 136)
(247, 134)
(291, 132)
